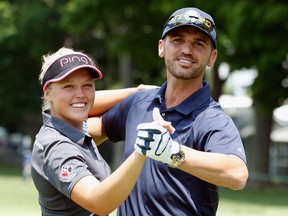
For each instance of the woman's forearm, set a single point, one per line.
(106, 99)
(104, 197)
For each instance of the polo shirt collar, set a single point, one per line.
(189, 104)
(64, 128)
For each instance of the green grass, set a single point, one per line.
(253, 202)
(18, 197)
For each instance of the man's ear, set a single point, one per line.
(161, 48)
(213, 58)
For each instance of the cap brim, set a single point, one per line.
(96, 75)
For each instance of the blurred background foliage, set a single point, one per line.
(122, 36)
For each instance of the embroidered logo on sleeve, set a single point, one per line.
(66, 173)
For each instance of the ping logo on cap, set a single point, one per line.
(73, 58)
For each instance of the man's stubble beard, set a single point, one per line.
(183, 74)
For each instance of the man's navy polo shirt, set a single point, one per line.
(62, 155)
(201, 124)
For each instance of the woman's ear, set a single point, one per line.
(161, 48)
(47, 93)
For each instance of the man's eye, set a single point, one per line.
(199, 44)
(178, 40)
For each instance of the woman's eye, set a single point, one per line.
(68, 86)
(88, 85)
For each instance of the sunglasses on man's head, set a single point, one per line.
(184, 18)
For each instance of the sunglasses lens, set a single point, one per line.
(182, 19)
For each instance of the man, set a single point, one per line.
(211, 153)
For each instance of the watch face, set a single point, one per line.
(178, 159)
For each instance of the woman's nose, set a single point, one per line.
(79, 92)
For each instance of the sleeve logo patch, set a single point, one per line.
(67, 173)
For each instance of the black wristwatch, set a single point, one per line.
(177, 159)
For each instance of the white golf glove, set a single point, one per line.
(155, 142)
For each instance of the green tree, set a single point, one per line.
(118, 29)
(30, 29)
(258, 32)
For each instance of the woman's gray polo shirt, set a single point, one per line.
(62, 155)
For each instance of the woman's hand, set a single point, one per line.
(143, 87)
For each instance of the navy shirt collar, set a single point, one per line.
(66, 129)
(188, 105)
